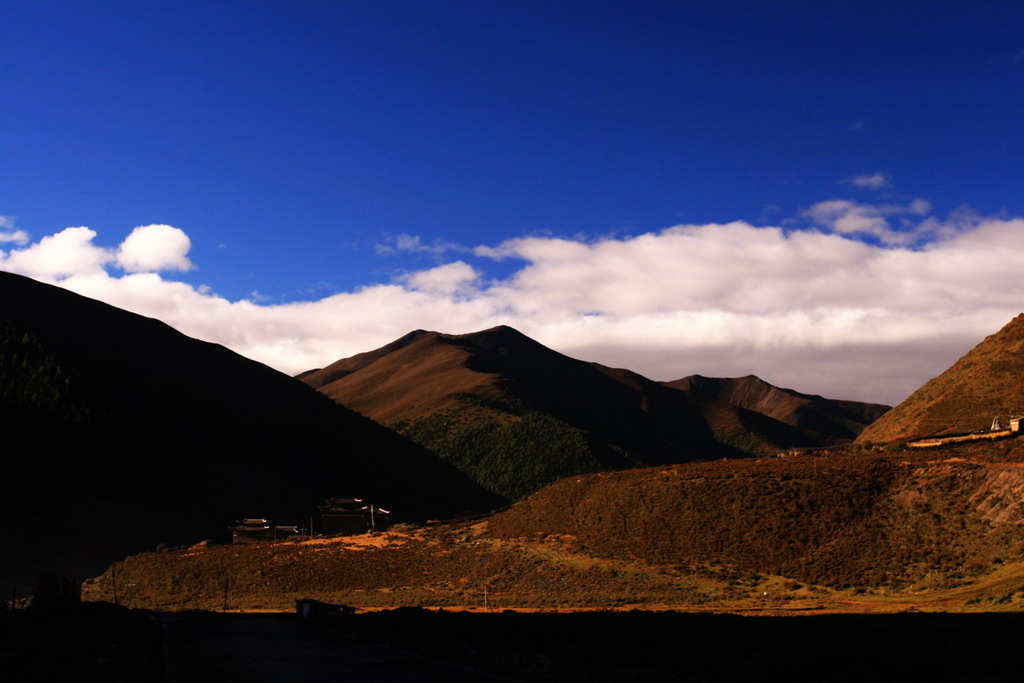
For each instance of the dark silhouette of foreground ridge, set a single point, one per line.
(670, 646)
(120, 433)
(516, 415)
(103, 643)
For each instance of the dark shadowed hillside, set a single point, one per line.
(825, 421)
(986, 383)
(515, 415)
(120, 433)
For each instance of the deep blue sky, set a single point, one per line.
(288, 139)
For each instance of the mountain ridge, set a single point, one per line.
(826, 418)
(455, 395)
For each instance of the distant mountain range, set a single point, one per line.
(120, 433)
(515, 415)
(816, 420)
(985, 384)
(943, 530)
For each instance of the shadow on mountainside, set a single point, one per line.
(120, 434)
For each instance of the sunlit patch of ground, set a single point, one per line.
(385, 539)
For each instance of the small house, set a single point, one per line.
(256, 529)
(348, 516)
(250, 530)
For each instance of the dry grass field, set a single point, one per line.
(850, 532)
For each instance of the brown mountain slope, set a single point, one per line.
(410, 377)
(418, 374)
(842, 520)
(942, 529)
(986, 383)
(121, 433)
(824, 420)
(514, 414)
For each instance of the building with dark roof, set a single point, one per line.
(257, 529)
(348, 516)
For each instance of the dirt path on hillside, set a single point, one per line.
(280, 648)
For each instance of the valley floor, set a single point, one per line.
(851, 532)
(852, 566)
(459, 569)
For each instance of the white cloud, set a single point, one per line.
(847, 217)
(19, 237)
(871, 181)
(9, 235)
(811, 309)
(152, 248)
(404, 242)
(449, 279)
(67, 253)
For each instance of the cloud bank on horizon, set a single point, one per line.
(851, 300)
